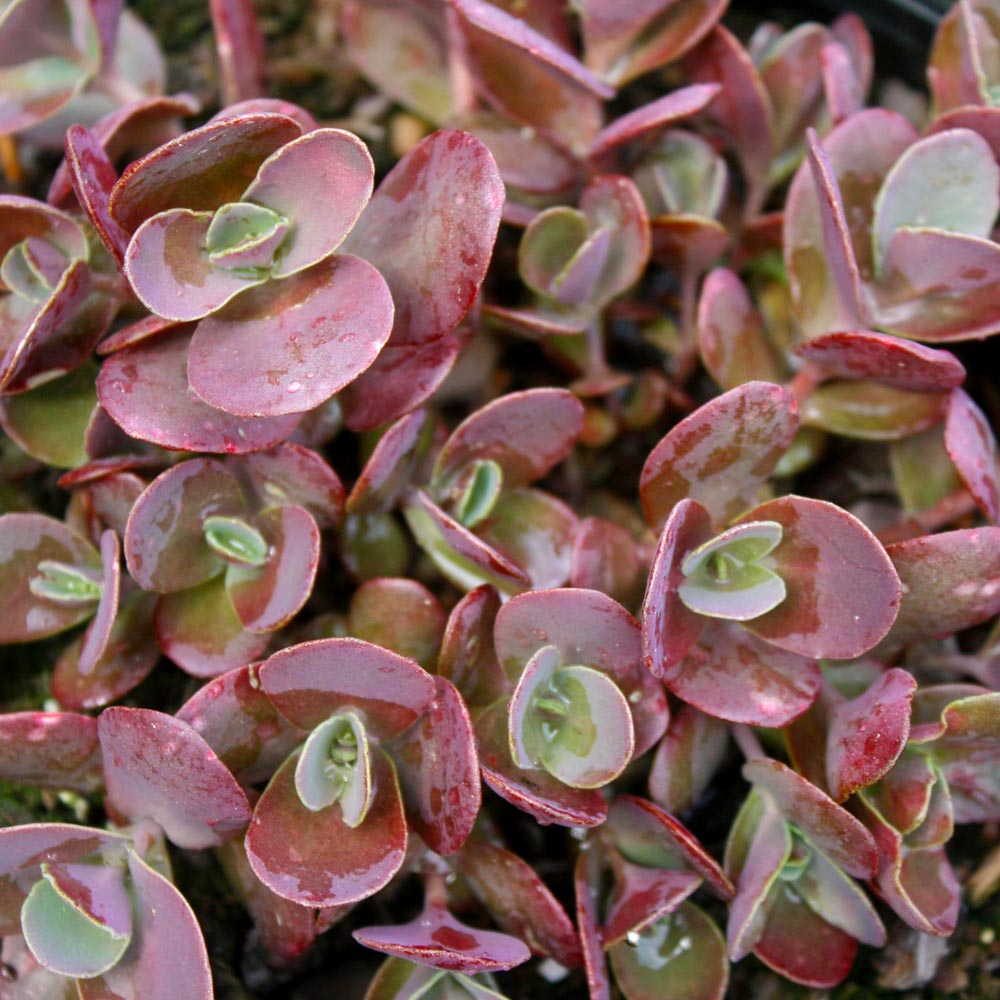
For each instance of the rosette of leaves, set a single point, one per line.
(471, 509)
(742, 603)
(387, 747)
(575, 709)
(57, 305)
(93, 909)
(232, 550)
(908, 250)
(398, 979)
(793, 855)
(660, 944)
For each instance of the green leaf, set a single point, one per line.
(481, 493)
(335, 766)
(65, 584)
(235, 541)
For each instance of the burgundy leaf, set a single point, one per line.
(686, 759)
(400, 614)
(57, 750)
(98, 635)
(157, 766)
(605, 557)
(972, 447)
(291, 473)
(586, 881)
(468, 657)
(240, 48)
(314, 858)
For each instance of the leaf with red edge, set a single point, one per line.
(518, 900)
(98, 634)
(27, 541)
(392, 465)
(951, 581)
(198, 629)
(827, 826)
(57, 750)
(267, 598)
(145, 390)
(536, 792)
(528, 77)
(468, 658)
(314, 858)
(165, 546)
(587, 886)
(289, 345)
(439, 771)
(972, 448)
(526, 433)
(167, 959)
(642, 896)
(843, 592)
(400, 614)
(722, 454)
(311, 681)
(680, 957)
(687, 759)
(157, 766)
(605, 557)
(291, 473)
(398, 979)
(623, 43)
(200, 170)
(867, 734)
(239, 45)
(731, 674)
(437, 939)
(887, 360)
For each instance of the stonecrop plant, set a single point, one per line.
(497, 499)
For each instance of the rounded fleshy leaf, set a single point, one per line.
(681, 956)
(98, 634)
(686, 760)
(972, 447)
(311, 681)
(145, 390)
(587, 885)
(526, 433)
(642, 896)
(30, 543)
(335, 767)
(169, 267)
(242, 726)
(165, 546)
(293, 474)
(400, 614)
(398, 979)
(57, 750)
(290, 344)
(158, 766)
(518, 900)
(77, 919)
(889, 361)
(314, 858)
(266, 598)
(721, 454)
(525, 716)
(468, 658)
(439, 771)
(536, 792)
(437, 939)
(392, 464)
(871, 411)
(167, 959)
(733, 675)
(829, 827)
(669, 627)
(843, 591)
(947, 181)
(328, 168)
(200, 170)
(198, 629)
(605, 557)
(868, 733)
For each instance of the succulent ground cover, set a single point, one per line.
(496, 500)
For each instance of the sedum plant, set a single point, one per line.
(524, 517)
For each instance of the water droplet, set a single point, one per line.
(632, 939)
(294, 386)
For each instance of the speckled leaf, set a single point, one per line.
(525, 433)
(731, 674)
(518, 900)
(605, 557)
(290, 344)
(890, 361)
(439, 771)
(158, 766)
(437, 939)
(56, 750)
(948, 181)
(165, 546)
(843, 592)
(829, 827)
(536, 792)
(198, 629)
(468, 658)
(314, 858)
(722, 454)
(311, 681)
(871, 411)
(972, 447)
(641, 897)
(623, 43)
(26, 540)
(867, 734)
(200, 170)
(680, 957)
(950, 581)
